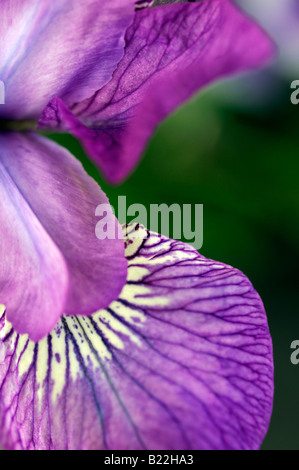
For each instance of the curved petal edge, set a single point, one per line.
(182, 360)
(171, 52)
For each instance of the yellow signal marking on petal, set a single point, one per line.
(86, 353)
(133, 238)
(119, 327)
(111, 337)
(136, 274)
(26, 359)
(96, 342)
(85, 336)
(41, 370)
(23, 339)
(130, 315)
(142, 296)
(59, 362)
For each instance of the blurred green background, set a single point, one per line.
(241, 162)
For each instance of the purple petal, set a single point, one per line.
(171, 52)
(51, 260)
(182, 360)
(66, 48)
(281, 20)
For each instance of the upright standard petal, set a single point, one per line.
(66, 48)
(182, 360)
(171, 52)
(51, 260)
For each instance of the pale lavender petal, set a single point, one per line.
(51, 260)
(182, 360)
(156, 3)
(66, 48)
(171, 52)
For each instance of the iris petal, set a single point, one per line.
(171, 52)
(51, 260)
(67, 48)
(182, 360)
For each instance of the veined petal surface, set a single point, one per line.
(171, 52)
(51, 260)
(182, 360)
(66, 48)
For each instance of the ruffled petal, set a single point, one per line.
(171, 52)
(66, 48)
(51, 260)
(182, 360)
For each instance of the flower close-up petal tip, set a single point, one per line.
(171, 52)
(181, 360)
(51, 260)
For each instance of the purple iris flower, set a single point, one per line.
(178, 354)
(281, 20)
